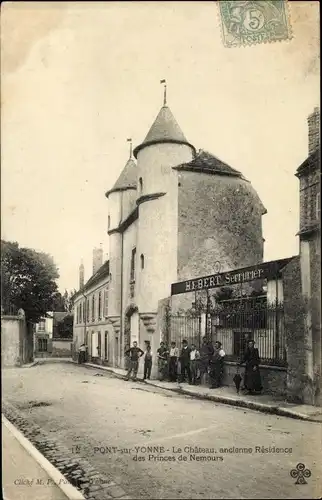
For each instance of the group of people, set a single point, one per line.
(185, 364)
(191, 365)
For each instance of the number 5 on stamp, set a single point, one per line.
(251, 22)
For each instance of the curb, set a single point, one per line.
(60, 481)
(260, 407)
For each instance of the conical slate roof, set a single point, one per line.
(164, 129)
(207, 163)
(127, 178)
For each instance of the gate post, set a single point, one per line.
(277, 339)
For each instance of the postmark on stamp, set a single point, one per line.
(252, 22)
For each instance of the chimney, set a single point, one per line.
(314, 130)
(97, 258)
(81, 276)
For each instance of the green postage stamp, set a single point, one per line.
(252, 22)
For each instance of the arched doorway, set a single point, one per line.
(131, 325)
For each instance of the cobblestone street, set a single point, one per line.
(110, 422)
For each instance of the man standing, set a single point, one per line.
(206, 351)
(194, 357)
(82, 354)
(147, 362)
(217, 366)
(185, 362)
(173, 362)
(162, 360)
(135, 354)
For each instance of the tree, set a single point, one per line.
(28, 281)
(65, 302)
(58, 303)
(68, 298)
(65, 326)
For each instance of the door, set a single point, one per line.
(134, 326)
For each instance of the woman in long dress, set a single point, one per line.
(216, 367)
(252, 377)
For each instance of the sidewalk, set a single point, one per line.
(227, 395)
(22, 476)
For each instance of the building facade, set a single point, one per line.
(173, 212)
(92, 323)
(308, 174)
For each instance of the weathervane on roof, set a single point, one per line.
(165, 92)
(130, 141)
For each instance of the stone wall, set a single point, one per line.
(61, 348)
(13, 340)
(315, 307)
(220, 219)
(273, 378)
(294, 317)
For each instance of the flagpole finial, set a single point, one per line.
(165, 92)
(130, 141)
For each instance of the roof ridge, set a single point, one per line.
(206, 162)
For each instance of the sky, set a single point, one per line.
(78, 79)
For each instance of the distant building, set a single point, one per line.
(43, 334)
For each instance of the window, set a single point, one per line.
(41, 325)
(99, 344)
(93, 307)
(106, 346)
(80, 312)
(108, 222)
(133, 256)
(42, 345)
(84, 311)
(99, 305)
(87, 309)
(142, 261)
(106, 302)
(140, 184)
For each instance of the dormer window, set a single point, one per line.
(140, 184)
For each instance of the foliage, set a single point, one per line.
(65, 302)
(58, 303)
(64, 327)
(224, 293)
(28, 280)
(68, 298)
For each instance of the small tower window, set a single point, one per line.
(142, 261)
(141, 184)
(108, 222)
(133, 256)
